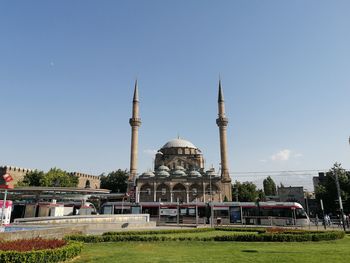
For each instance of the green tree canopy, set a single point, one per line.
(246, 192)
(32, 178)
(59, 178)
(327, 190)
(115, 181)
(269, 186)
(53, 178)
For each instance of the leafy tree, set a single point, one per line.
(246, 191)
(59, 178)
(269, 186)
(115, 181)
(55, 177)
(32, 178)
(327, 190)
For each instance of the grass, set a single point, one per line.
(325, 251)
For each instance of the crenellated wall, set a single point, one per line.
(17, 173)
(87, 180)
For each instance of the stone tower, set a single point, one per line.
(135, 123)
(222, 122)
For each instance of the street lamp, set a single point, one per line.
(342, 219)
(211, 202)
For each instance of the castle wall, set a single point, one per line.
(85, 180)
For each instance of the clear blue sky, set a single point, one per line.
(67, 70)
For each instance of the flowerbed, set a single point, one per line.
(31, 244)
(38, 251)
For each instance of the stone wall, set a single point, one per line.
(85, 180)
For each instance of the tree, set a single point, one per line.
(115, 181)
(327, 190)
(53, 178)
(269, 186)
(59, 178)
(32, 178)
(246, 191)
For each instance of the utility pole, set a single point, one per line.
(339, 198)
(323, 220)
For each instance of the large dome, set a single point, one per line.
(179, 143)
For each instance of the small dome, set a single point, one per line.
(147, 174)
(195, 174)
(180, 168)
(211, 173)
(163, 174)
(163, 168)
(179, 143)
(179, 173)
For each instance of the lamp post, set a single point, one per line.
(323, 220)
(178, 212)
(159, 202)
(340, 200)
(211, 201)
(196, 212)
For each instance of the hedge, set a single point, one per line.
(176, 231)
(331, 235)
(69, 251)
(158, 232)
(242, 229)
(243, 237)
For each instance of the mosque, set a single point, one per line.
(179, 174)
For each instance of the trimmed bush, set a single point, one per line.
(158, 232)
(244, 234)
(242, 229)
(69, 251)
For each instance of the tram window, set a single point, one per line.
(220, 213)
(250, 211)
(300, 213)
(266, 212)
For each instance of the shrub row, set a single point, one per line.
(69, 251)
(331, 235)
(242, 229)
(247, 237)
(158, 232)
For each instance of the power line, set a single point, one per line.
(283, 171)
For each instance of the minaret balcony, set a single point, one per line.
(222, 121)
(135, 121)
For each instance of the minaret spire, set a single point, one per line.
(136, 92)
(221, 96)
(135, 123)
(222, 122)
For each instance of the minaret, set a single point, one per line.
(222, 122)
(135, 123)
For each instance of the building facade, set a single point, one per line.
(179, 174)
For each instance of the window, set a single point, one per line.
(300, 213)
(163, 191)
(194, 191)
(148, 190)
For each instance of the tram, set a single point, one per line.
(246, 213)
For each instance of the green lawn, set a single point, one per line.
(325, 251)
